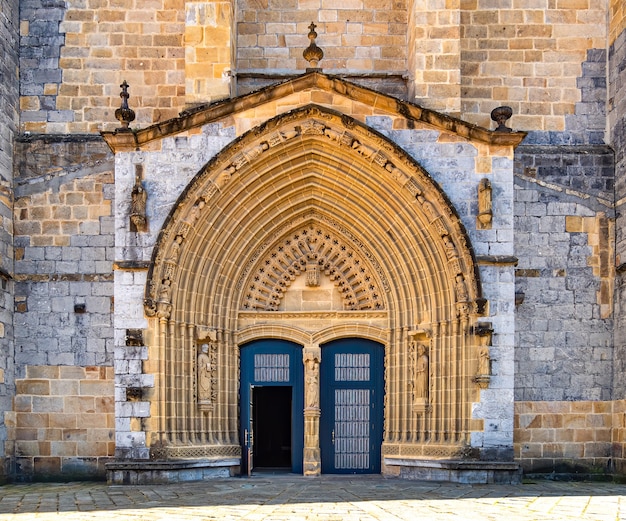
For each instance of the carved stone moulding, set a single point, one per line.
(330, 254)
(427, 450)
(194, 452)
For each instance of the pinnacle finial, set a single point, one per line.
(313, 54)
(124, 114)
(500, 115)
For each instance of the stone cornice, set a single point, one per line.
(128, 140)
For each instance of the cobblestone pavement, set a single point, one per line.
(296, 498)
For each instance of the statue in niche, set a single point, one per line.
(484, 361)
(461, 289)
(194, 213)
(420, 385)
(163, 305)
(311, 378)
(138, 200)
(395, 172)
(175, 252)
(204, 370)
(256, 150)
(451, 251)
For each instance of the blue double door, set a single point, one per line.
(351, 403)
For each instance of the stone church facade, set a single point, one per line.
(385, 242)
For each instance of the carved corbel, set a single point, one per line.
(484, 332)
(204, 333)
(419, 354)
(485, 210)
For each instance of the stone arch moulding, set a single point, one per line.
(338, 132)
(314, 192)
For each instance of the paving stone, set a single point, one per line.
(266, 497)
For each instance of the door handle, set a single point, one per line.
(245, 437)
(332, 436)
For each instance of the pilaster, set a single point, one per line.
(434, 54)
(208, 50)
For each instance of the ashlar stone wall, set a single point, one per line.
(62, 425)
(9, 107)
(64, 305)
(564, 239)
(528, 56)
(175, 54)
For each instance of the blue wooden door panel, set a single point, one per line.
(351, 423)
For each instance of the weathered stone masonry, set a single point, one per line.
(554, 245)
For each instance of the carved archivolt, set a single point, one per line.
(352, 138)
(311, 251)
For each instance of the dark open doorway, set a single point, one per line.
(271, 409)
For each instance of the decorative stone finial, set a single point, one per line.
(313, 54)
(124, 114)
(500, 115)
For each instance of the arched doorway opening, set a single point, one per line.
(271, 404)
(313, 228)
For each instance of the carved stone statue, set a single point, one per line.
(461, 289)
(420, 385)
(312, 385)
(204, 374)
(175, 251)
(138, 199)
(484, 361)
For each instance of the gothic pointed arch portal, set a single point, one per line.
(310, 228)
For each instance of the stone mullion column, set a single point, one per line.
(465, 383)
(456, 349)
(395, 409)
(405, 394)
(209, 41)
(232, 418)
(430, 434)
(187, 363)
(170, 371)
(311, 358)
(219, 417)
(435, 55)
(160, 384)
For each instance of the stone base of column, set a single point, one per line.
(312, 462)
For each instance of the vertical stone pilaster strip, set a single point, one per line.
(160, 380)
(457, 394)
(208, 50)
(405, 394)
(435, 55)
(466, 344)
(430, 433)
(231, 417)
(170, 370)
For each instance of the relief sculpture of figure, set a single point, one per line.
(311, 371)
(204, 374)
(138, 199)
(420, 389)
(484, 361)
